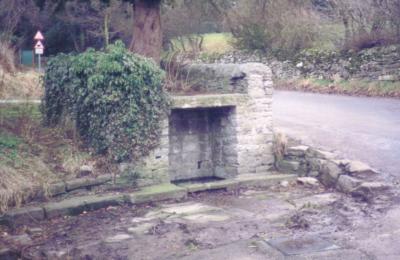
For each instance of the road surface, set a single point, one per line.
(358, 128)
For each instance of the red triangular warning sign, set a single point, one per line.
(38, 36)
(39, 45)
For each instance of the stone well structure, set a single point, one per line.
(222, 129)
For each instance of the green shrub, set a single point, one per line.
(115, 99)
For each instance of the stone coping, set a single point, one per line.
(62, 187)
(156, 193)
(241, 181)
(207, 101)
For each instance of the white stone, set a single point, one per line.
(319, 200)
(299, 150)
(86, 169)
(308, 181)
(358, 168)
(188, 208)
(117, 238)
(140, 229)
(284, 184)
(205, 218)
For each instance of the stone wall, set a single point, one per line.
(222, 131)
(280, 69)
(214, 78)
(352, 177)
(380, 63)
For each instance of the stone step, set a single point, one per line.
(77, 205)
(156, 193)
(263, 180)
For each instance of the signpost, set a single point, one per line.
(39, 48)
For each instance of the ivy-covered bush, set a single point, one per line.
(115, 99)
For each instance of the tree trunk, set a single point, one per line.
(147, 33)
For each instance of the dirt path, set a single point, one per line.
(366, 129)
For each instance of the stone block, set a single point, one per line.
(315, 153)
(85, 170)
(157, 193)
(216, 185)
(87, 182)
(68, 207)
(347, 183)
(329, 174)
(289, 166)
(299, 151)
(57, 188)
(97, 202)
(367, 190)
(308, 181)
(358, 168)
(262, 180)
(315, 164)
(16, 217)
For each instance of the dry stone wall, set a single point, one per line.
(379, 63)
(351, 177)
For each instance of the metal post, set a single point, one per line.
(39, 63)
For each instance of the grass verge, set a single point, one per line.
(20, 85)
(32, 156)
(344, 87)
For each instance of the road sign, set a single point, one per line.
(38, 36)
(39, 48)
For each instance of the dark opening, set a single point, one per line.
(202, 143)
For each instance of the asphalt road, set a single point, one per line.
(357, 128)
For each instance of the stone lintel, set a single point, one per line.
(208, 101)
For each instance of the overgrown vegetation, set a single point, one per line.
(7, 57)
(279, 148)
(368, 23)
(24, 84)
(114, 98)
(280, 27)
(32, 156)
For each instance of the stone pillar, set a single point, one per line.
(254, 121)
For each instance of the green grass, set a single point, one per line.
(9, 148)
(13, 111)
(213, 43)
(217, 42)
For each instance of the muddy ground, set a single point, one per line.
(293, 222)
